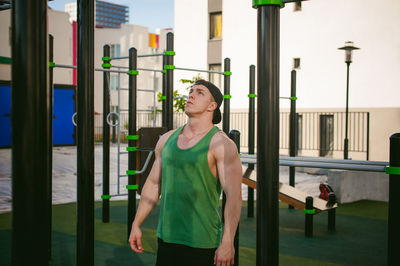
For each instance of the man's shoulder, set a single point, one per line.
(221, 142)
(163, 139)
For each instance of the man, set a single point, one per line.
(192, 164)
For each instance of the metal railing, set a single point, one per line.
(311, 134)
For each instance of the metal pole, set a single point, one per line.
(164, 93)
(292, 129)
(309, 213)
(346, 140)
(252, 103)
(227, 91)
(30, 140)
(394, 199)
(50, 149)
(268, 134)
(367, 136)
(85, 139)
(132, 142)
(235, 136)
(106, 137)
(170, 83)
(226, 115)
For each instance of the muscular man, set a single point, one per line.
(193, 163)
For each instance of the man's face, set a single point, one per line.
(200, 100)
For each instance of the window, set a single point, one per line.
(297, 6)
(115, 50)
(215, 78)
(296, 63)
(215, 26)
(114, 83)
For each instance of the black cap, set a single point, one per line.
(216, 93)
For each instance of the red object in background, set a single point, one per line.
(325, 189)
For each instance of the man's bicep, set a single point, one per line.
(229, 167)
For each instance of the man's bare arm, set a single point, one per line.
(149, 196)
(230, 175)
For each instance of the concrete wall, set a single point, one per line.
(350, 186)
(191, 35)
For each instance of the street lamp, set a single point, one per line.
(348, 48)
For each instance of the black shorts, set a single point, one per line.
(170, 254)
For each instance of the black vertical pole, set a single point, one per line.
(331, 213)
(169, 105)
(235, 136)
(346, 140)
(85, 139)
(309, 213)
(132, 141)
(367, 136)
(252, 104)
(292, 128)
(164, 93)
(31, 148)
(50, 147)
(394, 199)
(226, 115)
(267, 132)
(106, 137)
(30, 129)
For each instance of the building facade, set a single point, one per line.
(120, 41)
(310, 34)
(108, 15)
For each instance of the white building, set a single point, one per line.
(312, 34)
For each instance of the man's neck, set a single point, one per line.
(197, 125)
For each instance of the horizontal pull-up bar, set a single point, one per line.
(142, 55)
(199, 70)
(320, 164)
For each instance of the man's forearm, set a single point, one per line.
(148, 200)
(232, 216)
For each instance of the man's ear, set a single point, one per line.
(212, 106)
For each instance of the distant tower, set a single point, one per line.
(108, 15)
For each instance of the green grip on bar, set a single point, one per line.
(133, 72)
(392, 170)
(267, 2)
(227, 96)
(106, 58)
(227, 73)
(169, 67)
(164, 71)
(309, 211)
(106, 65)
(131, 172)
(163, 97)
(131, 148)
(169, 53)
(293, 98)
(252, 95)
(132, 137)
(106, 196)
(132, 187)
(52, 64)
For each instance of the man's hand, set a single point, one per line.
(135, 239)
(225, 254)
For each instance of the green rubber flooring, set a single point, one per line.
(360, 237)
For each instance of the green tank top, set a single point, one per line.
(190, 195)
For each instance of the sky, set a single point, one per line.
(150, 13)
